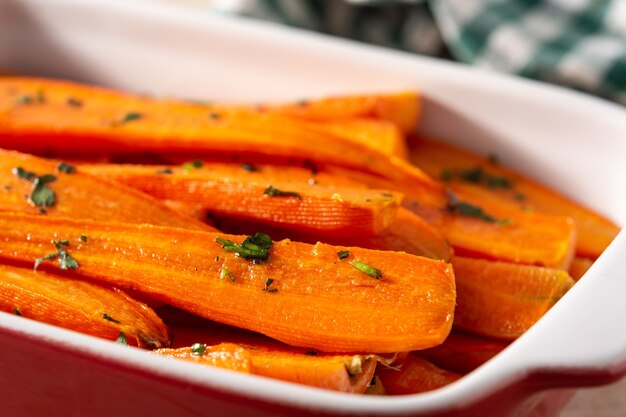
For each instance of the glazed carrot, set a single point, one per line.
(483, 178)
(503, 300)
(290, 198)
(71, 193)
(490, 229)
(579, 267)
(35, 114)
(344, 373)
(81, 306)
(298, 296)
(413, 376)
(403, 109)
(463, 352)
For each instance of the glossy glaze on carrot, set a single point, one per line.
(298, 296)
(413, 376)
(81, 306)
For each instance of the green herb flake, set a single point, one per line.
(505, 221)
(466, 209)
(253, 247)
(477, 175)
(250, 168)
(165, 171)
(23, 174)
(66, 168)
(198, 349)
(121, 339)
(65, 260)
(226, 273)
(109, 318)
(39, 261)
(195, 164)
(498, 182)
(343, 254)
(17, 312)
(24, 99)
(41, 98)
(214, 116)
(131, 116)
(268, 283)
(74, 102)
(275, 192)
(83, 238)
(366, 269)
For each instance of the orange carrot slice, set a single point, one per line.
(80, 306)
(299, 284)
(482, 178)
(78, 195)
(463, 352)
(414, 375)
(272, 196)
(579, 267)
(503, 300)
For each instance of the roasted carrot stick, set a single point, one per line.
(36, 113)
(414, 375)
(503, 300)
(483, 177)
(579, 267)
(290, 198)
(344, 373)
(490, 229)
(402, 109)
(34, 185)
(81, 306)
(298, 284)
(463, 352)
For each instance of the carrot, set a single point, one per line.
(489, 229)
(402, 109)
(282, 197)
(579, 267)
(463, 352)
(342, 373)
(79, 306)
(71, 193)
(297, 296)
(112, 122)
(413, 376)
(503, 300)
(482, 178)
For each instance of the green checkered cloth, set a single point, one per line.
(576, 43)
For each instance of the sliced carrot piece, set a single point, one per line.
(482, 178)
(402, 109)
(299, 284)
(463, 352)
(79, 195)
(414, 375)
(113, 122)
(273, 196)
(80, 306)
(579, 267)
(503, 300)
(334, 372)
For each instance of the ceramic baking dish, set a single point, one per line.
(569, 141)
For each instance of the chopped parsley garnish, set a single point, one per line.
(109, 318)
(73, 102)
(41, 195)
(343, 254)
(65, 260)
(214, 116)
(17, 312)
(195, 164)
(226, 273)
(66, 168)
(476, 175)
(466, 209)
(275, 192)
(129, 117)
(268, 283)
(250, 168)
(165, 171)
(121, 339)
(198, 349)
(83, 238)
(22, 173)
(366, 269)
(253, 247)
